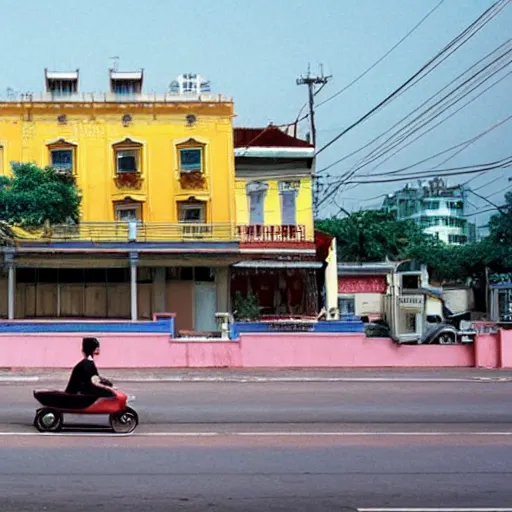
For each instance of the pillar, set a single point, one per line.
(222, 285)
(331, 283)
(11, 284)
(134, 258)
(159, 291)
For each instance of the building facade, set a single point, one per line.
(274, 203)
(157, 229)
(438, 209)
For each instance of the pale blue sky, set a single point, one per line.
(254, 51)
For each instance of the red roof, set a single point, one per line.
(270, 137)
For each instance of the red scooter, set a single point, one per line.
(50, 418)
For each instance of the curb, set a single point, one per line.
(255, 380)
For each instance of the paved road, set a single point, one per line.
(302, 446)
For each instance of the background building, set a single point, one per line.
(157, 229)
(439, 209)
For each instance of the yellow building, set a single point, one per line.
(134, 156)
(164, 163)
(274, 175)
(274, 202)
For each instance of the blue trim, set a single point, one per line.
(340, 326)
(501, 286)
(133, 246)
(163, 325)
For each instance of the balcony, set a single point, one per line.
(129, 181)
(261, 233)
(190, 181)
(110, 97)
(137, 232)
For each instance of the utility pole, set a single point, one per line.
(312, 82)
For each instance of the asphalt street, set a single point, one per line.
(301, 446)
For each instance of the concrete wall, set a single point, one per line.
(347, 350)
(505, 338)
(158, 350)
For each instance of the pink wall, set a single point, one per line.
(506, 348)
(346, 350)
(117, 351)
(253, 350)
(487, 351)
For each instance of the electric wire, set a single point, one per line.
(411, 80)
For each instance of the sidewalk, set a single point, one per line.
(266, 375)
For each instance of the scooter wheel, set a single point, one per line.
(124, 422)
(48, 420)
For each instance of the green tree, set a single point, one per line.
(374, 235)
(34, 196)
(497, 247)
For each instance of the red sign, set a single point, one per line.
(362, 284)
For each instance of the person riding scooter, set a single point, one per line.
(85, 379)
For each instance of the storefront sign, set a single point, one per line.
(411, 302)
(290, 327)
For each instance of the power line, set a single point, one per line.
(506, 162)
(311, 82)
(405, 117)
(378, 61)
(357, 167)
(465, 144)
(366, 160)
(486, 184)
(438, 113)
(486, 199)
(418, 73)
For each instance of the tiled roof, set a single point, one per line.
(270, 137)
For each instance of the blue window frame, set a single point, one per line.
(191, 159)
(288, 209)
(62, 160)
(256, 208)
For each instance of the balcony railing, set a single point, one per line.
(109, 97)
(163, 232)
(140, 232)
(262, 233)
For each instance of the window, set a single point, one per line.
(62, 160)
(457, 239)
(126, 86)
(62, 156)
(128, 212)
(191, 160)
(410, 281)
(63, 87)
(193, 216)
(288, 197)
(347, 305)
(432, 205)
(127, 160)
(256, 192)
(192, 212)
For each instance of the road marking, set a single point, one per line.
(256, 380)
(19, 379)
(259, 434)
(472, 509)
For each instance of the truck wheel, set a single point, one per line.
(447, 338)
